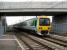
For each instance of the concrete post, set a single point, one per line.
(2, 25)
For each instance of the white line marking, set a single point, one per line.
(7, 39)
(4, 35)
(19, 43)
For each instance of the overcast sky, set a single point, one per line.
(16, 19)
(32, 0)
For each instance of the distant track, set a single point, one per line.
(57, 41)
(57, 37)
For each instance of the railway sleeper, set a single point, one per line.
(47, 43)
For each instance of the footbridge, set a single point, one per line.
(41, 7)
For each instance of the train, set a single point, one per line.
(40, 25)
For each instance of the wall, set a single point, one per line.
(60, 25)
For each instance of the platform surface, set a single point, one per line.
(8, 42)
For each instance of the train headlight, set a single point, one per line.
(48, 27)
(40, 27)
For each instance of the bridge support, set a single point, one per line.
(60, 25)
(2, 25)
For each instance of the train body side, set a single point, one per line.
(30, 24)
(34, 25)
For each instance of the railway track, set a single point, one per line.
(57, 37)
(55, 44)
(36, 43)
(57, 41)
(33, 44)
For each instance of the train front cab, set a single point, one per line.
(43, 25)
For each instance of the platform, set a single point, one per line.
(9, 42)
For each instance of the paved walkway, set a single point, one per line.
(9, 42)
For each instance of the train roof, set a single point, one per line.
(25, 21)
(42, 17)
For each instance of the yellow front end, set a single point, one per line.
(43, 29)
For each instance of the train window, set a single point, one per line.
(44, 21)
(34, 22)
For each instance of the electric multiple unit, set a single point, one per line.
(41, 25)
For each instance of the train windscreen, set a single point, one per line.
(44, 21)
